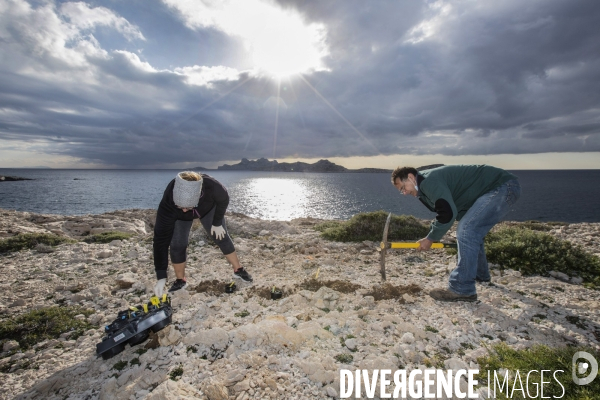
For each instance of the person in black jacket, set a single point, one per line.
(190, 195)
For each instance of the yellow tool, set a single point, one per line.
(410, 245)
(401, 245)
(145, 306)
(155, 301)
(164, 298)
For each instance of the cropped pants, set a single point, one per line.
(181, 234)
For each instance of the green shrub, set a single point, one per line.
(537, 358)
(107, 237)
(242, 314)
(369, 226)
(533, 252)
(120, 365)
(344, 358)
(30, 240)
(537, 225)
(43, 324)
(176, 373)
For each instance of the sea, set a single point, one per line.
(559, 195)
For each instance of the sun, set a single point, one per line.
(278, 41)
(286, 46)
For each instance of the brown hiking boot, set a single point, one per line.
(449, 295)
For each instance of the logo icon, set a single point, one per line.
(582, 367)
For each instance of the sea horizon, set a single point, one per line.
(547, 195)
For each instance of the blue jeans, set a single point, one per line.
(486, 212)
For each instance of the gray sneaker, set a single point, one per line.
(449, 295)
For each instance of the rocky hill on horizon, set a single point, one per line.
(335, 312)
(263, 164)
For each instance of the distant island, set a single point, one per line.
(263, 164)
(4, 178)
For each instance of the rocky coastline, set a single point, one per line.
(335, 313)
(6, 178)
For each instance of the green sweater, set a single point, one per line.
(456, 186)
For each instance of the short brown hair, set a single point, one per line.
(402, 173)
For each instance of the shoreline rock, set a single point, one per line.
(5, 178)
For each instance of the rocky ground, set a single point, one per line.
(335, 312)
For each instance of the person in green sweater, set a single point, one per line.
(478, 196)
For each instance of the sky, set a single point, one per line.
(184, 83)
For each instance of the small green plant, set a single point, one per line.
(135, 361)
(176, 373)
(30, 240)
(193, 349)
(107, 237)
(577, 321)
(119, 366)
(537, 358)
(327, 328)
(242, 314)
(140, 351)
(431, 329)
(344, 358)
(43, 324)
(369, 226)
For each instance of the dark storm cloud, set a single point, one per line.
(410, 77)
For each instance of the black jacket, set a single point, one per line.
(212, 194)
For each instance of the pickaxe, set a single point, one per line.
(402, 245)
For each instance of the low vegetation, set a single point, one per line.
(107, 237)
(537, 225)
(26, 241)
(537, 358)
(344, 358)
(534, 252)
(176, 373)
(47, 323)
(369, 226)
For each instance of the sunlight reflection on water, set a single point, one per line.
(284, 196)
(275, 198)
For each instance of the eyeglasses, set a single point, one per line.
(401, 188)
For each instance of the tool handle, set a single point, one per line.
(402, 245)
